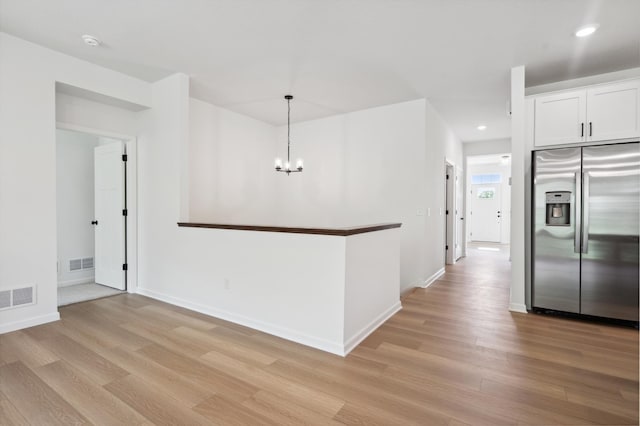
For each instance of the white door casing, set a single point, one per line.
(459, 214)
(110, 255)
(486, 212)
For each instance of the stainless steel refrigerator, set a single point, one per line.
(586, 228)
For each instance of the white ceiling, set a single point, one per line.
(337, 56)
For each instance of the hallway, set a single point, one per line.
(541, 369)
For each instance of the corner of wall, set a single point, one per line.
(518, 161)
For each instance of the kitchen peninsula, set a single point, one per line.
(328, 288)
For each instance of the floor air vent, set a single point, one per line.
(78, 264)
(17, 297)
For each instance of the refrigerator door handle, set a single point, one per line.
(585, 214)
(577, 212)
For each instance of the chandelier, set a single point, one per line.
(286, 168)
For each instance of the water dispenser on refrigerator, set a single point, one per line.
(558, 208)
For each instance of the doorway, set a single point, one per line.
(91, 203)
(488, 198)
(453, 214)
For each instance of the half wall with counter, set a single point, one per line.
(325, 288)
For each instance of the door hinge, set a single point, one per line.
(125, 212)
(446, 212)
(125, 266)
(446, 247)
(447, 176)
(124, 157)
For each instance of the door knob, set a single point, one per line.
(94, 222)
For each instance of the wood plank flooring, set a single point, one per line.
(453, 356)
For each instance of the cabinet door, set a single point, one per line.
(614, 111)
(560, 118)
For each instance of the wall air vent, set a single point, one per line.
(75, 264)
(17, 297)
(5, 299)
(23, 296)
(87, 263)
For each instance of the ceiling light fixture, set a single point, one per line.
(482, 127)
(90, 40)
(586, 30)
(287, 166)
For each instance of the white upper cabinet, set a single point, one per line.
(560, 118)
(614, 111)
(597, 113)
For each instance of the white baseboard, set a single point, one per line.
(518, 307)
(29, 322)
(370, 328)
(67, 283)
(324, 345)
(432, 278)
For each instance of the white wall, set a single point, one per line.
(231, 176)
(488, 147)
(442, 145)
(370, 298)
(520, 175)
(361, 168)
(28, 247)
(228, 273)
(377, 165)
(75, 203)
(95, 115)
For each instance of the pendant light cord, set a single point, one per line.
(288, 130)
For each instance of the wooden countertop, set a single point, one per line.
(341, 232)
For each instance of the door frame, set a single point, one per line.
(131, 196)
(449, 217)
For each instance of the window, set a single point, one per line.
(486, 193)
(486, 178)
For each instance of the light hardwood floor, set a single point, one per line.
(454, 355)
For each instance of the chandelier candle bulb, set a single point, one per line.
(299, 164)
(278, 163)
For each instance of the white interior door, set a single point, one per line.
(459, 213)
(109, 206)
(450, 230)
(486, 213)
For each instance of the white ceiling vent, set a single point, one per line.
(17, 297)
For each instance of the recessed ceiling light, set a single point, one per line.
(482, 127)
(90, 40)
(586, 30)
